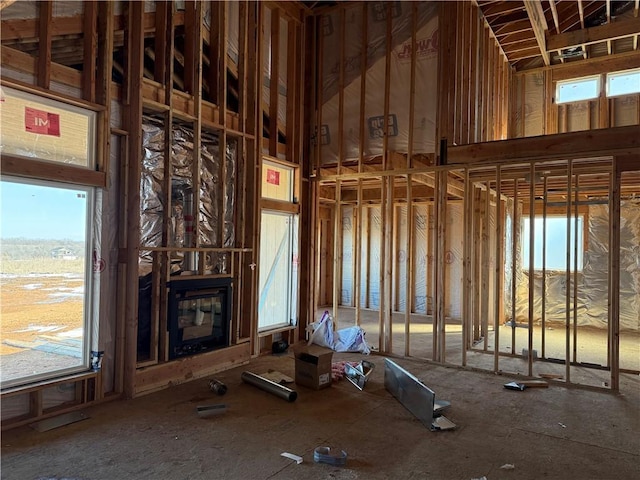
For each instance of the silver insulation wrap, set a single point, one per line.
(215, 196)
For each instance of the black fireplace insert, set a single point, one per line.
(199, 315)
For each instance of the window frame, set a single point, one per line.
(559, 84)
(609, 75)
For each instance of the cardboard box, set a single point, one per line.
(313, 366)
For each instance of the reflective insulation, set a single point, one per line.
(151, 177)
(425, 99)
(213, 231)
(593, 290)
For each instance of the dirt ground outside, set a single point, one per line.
(37, 310)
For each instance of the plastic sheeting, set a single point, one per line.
(422, 259)
(593, 290)
(213, 231)
(425, 98)
(422, 300)
(347, 290)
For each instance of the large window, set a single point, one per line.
(46, 230)
(555, 243)
(45, 279)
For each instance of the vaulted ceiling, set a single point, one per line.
(534, 33)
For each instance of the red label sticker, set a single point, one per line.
(273, 177)
(44, 123)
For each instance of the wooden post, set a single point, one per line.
(337, 249)
(477, 261)
(575, 270)
(410, 278)
(486, 269)
(532, 240)
(134, 114)
(467, 267)
(514, 266)
(614, 276)
(499, 269)
(361, 137)
(543, 294)
(568, 276)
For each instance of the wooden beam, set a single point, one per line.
(585, 144)
(600, 33)
(539, 24)
(5, 3)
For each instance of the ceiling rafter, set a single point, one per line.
(539, 25)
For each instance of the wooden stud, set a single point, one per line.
(291, 89)
(575, 269)
(134, 114)
(499, 270)
(222, 62)
(614, 276)
(514, 264)
(44, 46)
(543, 293)
(532, 249)
(467, 282)
(274, 122)
(486, 242)
(90, 51)
(477, 262)
(568, 276)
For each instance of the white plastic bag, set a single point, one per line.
(321, 332)
(350, 339)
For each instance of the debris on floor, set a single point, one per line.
(217, 387)
(550, 375)
(323, 455)
(279, 346)
(508, 466)
(526, 384)
(514, 386)
(206, 411)
(337, 369)
(269, 386)
(296, 458)
(58, 421)
(359, 374)
(562, 425)
(480, 478)
(276, 376)
(350, 339)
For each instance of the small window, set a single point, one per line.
(556, 243)
(578, 89)
(623, 83)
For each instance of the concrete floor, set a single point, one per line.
(553, 433)
(591, 347)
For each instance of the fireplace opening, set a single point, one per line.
(199, 315)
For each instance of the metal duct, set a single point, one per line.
(269, 386)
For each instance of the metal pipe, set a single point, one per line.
(269, 386)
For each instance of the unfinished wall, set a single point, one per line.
(593, 281)
(349, 36)
(534, 111)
